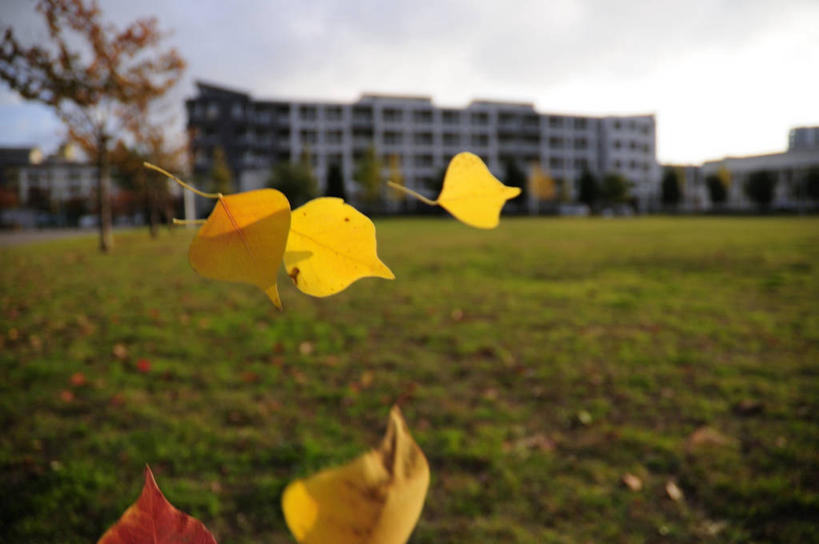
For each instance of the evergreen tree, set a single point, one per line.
(295, 180)
(760, 187)
(335, 182)
(588, 190)
(515, 177)
(614, 189)
(672, 186)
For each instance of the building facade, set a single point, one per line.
(790, 170)
(422, 138)
(803, 138)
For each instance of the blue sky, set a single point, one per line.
(724, 77)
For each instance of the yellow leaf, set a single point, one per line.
(375, 499)
(331, 245)
(243, 240)
(472, 194)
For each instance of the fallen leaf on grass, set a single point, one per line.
(143, 366)
(120, 351)
(78, 379)
(632, 482)
(152, 519)
(375, 499)
(673, 491)
(331, 245)
(704, 437)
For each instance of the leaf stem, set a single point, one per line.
(180, 182)
(419, 196)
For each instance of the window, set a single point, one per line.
(236, 110)
(308, 113)
(422, 138)
(451, 138)
(393, 138)
(480, 139)
(555, 122)
(393, 115)
(581, 164)
(212, 111)
(479, 119)
(580, 124)
(309, 136)
(422, 160)
(333, 137)
(617, 125)
(581, 143)
(555, 142)
(451, 117)
(555, 162)
(422, 116)
(333, 113)
(617, 144)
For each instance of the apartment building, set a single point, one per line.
(256, 134)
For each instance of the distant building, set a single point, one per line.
(803, 138)
(694, 191)
(11, 159)
(57, 179)
(257, 134)
(790, 169)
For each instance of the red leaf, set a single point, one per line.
(144, 365)
(152, 519)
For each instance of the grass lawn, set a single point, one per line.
(539, 362)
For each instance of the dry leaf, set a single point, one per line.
(243, 240)
(153, 519)
(632, 482)
(331, 245)
(375, 499)
(673, 491)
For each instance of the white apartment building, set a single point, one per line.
(256, 134)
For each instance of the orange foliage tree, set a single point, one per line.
(98, 88)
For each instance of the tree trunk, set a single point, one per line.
(104, 194)
(153, 214)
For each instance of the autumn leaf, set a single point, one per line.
(243, 240)
(375, 499)
(331, 245)
(470, 192)
(153, 519)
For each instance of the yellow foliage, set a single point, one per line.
(375, 499)
(541, 184)
(331, 245)
(243, 240)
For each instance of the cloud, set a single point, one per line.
(700, 65)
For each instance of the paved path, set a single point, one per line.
(13, 238)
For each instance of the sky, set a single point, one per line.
(723, 77)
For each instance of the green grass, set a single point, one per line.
(541, 362)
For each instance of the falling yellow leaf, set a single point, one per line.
(375, 499)
(243, 240)
(331, 245)
(470, 192)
